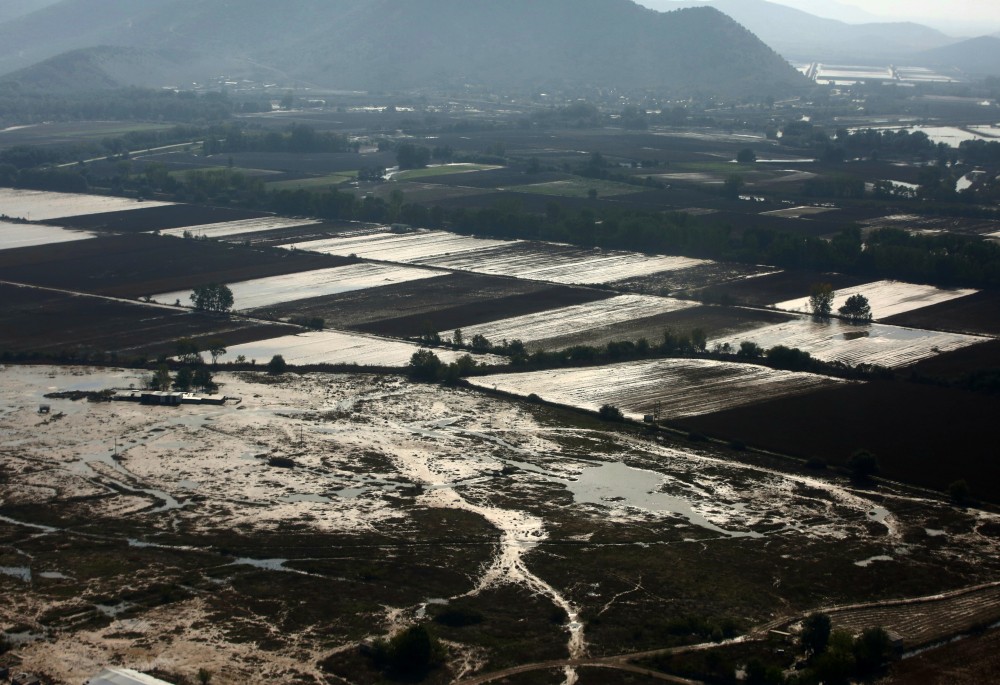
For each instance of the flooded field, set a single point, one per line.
(886, 298)
(169, 538)
(264, 292)
(25, 235)
(576, 321)
(670, 388)
(245, 226)
(835, 340)
(330, 347)
(408, 248)
(562, 263)
(38, 205)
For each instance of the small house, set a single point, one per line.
(44, 409)
(169, 399)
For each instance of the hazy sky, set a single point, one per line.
(956, 17)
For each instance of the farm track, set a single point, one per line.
(920, 621)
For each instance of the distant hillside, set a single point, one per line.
(397, 44)
(802, 36)
(12, 9)
(977, 56)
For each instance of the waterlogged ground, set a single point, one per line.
(264, 539)
(14, 235)
(42, 205)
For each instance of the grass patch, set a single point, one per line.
(578, 187)
(429, 172)
(313, 183)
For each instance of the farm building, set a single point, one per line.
(124, 676)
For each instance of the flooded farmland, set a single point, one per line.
(396, 502)
(13, 236)
(39, 205)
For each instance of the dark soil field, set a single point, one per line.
(438, 304)
(668, 282)
(972, 661)
(910, 222)
(954, 365)
(922, 434)
(141, 264)
(773, 288)
(43, 321)
(156, 218)
(978, 313)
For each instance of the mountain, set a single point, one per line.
(977, 56)
(12, 9)
(398, 44)
(801, 36)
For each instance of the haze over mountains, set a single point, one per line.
(391, 44)
(798, 35)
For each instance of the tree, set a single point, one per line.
(609, 412)
(863, 465)
(821, 299)
(161, 379)
(458, 339)
(699, 339)
(277, 365)
(410, 156)
(749, 350)
(815, 633)
(746, 156)
(732, 186)
(216, 348)
(856, 309)
(202, 378)
(214, 297)
(480, 343)
(183, 379)
(872, 650)
(204, 676)
(425, 366)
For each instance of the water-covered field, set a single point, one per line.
(577, 320)
(408, 248)
(231, 228)
(14, 235)
(331, 347)
(886, 298)
(835, 340)
(299, 286)
(669, 388)
(562, 263)
(39, 205)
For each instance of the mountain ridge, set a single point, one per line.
(798, 35)
(402, 44)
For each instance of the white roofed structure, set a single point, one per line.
(124, 676)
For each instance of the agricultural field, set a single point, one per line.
(33, 320)
(38, 205)
(886, 298)
(14, 235)
(838, 341)
(561, 263)
(162, 218)
(227, 229)
(265, 292)
(333, 347)
(581, 321)
(932, 224)
(267, 537)
(669, 389)
(139, 265)
(446, 302)
(385, 245)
